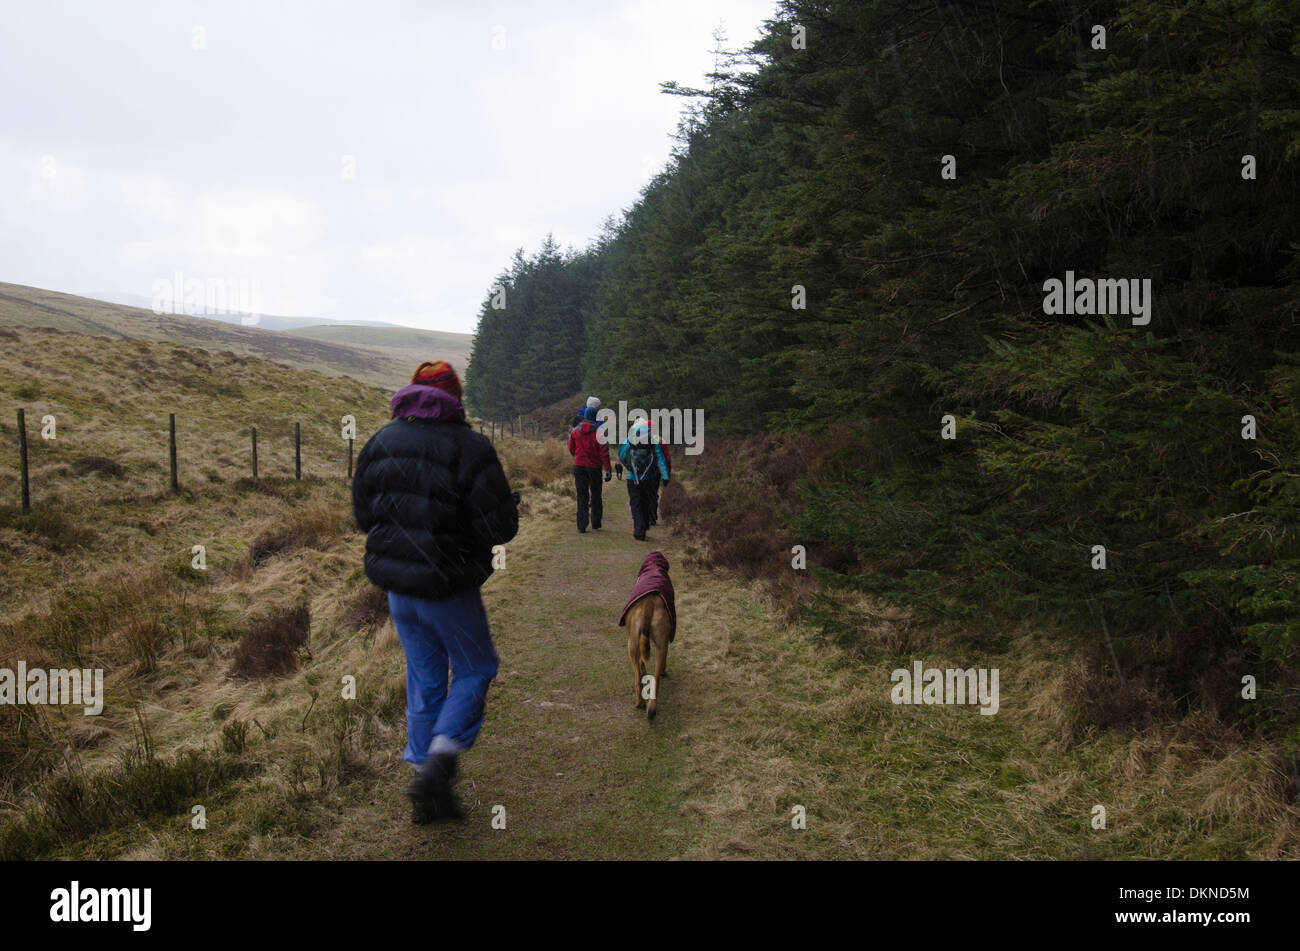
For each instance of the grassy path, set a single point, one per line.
(755, 720)
(579, 771)
(579, 774)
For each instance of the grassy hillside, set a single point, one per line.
(403, 344)
(386, 366)
(100, 573)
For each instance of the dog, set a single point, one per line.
(650, 615)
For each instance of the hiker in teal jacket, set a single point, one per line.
(646, 466)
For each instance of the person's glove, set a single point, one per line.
(515, 496)
(608, 475)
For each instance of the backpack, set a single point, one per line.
(642, 458)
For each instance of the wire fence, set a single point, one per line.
(493, 429)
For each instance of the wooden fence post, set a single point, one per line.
(171, 448)
(254, 452)
(22, 456)
(297, 450)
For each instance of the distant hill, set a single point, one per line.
(387, 364)
(264, 321)
(399, 343)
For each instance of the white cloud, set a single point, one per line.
(225, 162)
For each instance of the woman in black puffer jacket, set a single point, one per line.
(433, 500)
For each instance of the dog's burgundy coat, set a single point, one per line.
(653, 579)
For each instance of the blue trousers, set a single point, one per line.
(451, 631)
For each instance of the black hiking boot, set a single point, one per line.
(430, 791)
(422, 810)
(422, 813)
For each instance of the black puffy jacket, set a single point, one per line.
(432, 498)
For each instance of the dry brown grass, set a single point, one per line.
(535, 463)
(367, 608)
(270, 647)
(316, 524)
(557, 419)
(99, 575)
(114, 618)
(98, 465)
(733, 511)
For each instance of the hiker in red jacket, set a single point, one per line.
(590, 455)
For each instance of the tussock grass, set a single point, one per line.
(366, 608)
(98, 465)
(57, 530)
(28, 748)
(123, 616)
(270, 646)
(535, 463)
(75, 807)
(315, 524)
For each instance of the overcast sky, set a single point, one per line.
(378, 159)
